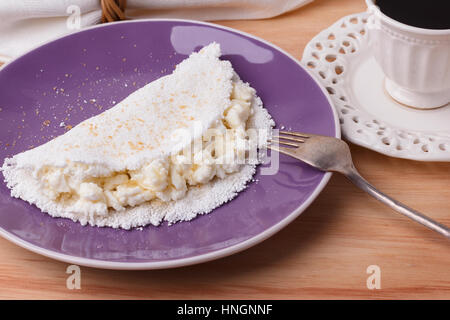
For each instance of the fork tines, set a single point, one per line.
(293, 138)
(297, 134)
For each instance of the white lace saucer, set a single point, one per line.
(340, 58)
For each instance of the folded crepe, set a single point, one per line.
(127, 156)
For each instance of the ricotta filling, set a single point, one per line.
(166, 178)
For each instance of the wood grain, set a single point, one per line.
(322, 255)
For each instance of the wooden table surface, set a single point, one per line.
(322, 255)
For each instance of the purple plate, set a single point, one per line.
(75, 77)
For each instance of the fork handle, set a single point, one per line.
(354, 176)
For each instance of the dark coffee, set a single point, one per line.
(428, 14)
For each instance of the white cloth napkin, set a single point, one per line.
(25, 24)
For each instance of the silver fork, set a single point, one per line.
(331, 154)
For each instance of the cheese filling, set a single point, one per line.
(164, 179)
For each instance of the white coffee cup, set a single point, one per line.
(415, 61)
